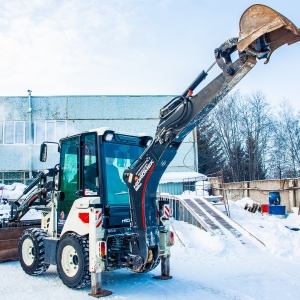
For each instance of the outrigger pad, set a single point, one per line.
(263, 30)
(101, 293)
(163, 277)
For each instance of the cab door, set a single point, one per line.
(79, 176)
(69, 178)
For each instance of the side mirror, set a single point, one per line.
(43, 152)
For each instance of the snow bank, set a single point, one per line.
(275, 232)
(181, 176)
(12, 191)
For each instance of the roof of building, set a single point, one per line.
(182, 177)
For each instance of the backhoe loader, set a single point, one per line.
(103, 213)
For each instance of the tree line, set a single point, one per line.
(248, 140)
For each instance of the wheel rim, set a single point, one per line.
(69, 261)
(28, 252)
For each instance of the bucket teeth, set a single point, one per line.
(263, 30)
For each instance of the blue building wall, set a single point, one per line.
(131, 114)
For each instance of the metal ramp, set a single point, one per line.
(200, 212)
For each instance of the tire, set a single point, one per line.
(150, 267)
(154, 262)
(31, 251)
(72, 258)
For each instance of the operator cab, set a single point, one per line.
(92, 165)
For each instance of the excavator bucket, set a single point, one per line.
(263, 30)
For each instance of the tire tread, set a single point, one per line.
(39, 266)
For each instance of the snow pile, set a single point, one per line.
(32, 214)
(281, 236)
(4, 211)
(9, 192)
(202, 188)
(182, 177)
(198, 192)
(12, 191)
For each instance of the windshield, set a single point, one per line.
(118, 157)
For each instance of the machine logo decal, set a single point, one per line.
(142, 172)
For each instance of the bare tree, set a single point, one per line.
(257, 124)
(224, 120)
(286, 145)
(239, 134)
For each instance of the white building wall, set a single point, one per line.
(130, 114)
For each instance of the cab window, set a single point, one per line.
(90, 166)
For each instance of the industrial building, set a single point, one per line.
(27, 121)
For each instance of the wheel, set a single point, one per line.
(31, 251)
(152, 266)
(154, 260)
(72, 258)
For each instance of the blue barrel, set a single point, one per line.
(277, 210)
(274, 198)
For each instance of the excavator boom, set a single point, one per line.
(262, 31)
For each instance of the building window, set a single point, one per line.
(61, 129)
(17, 132)
(39, 132)
(9, 133)
(27, 133)
(1, 132)
(50, 131)
(13, 132)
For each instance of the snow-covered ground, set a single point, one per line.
(202, 266)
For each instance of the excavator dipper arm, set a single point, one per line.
(262, 30)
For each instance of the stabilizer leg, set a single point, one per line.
(165, 269)
(96, 285)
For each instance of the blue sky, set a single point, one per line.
(130, 47)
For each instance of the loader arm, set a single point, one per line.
(258, 38)
(35, 193)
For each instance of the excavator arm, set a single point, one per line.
(262, 30)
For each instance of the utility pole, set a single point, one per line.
(195, 142)
(30, 135)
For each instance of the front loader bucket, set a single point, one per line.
(9, 238)
(263, 30)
